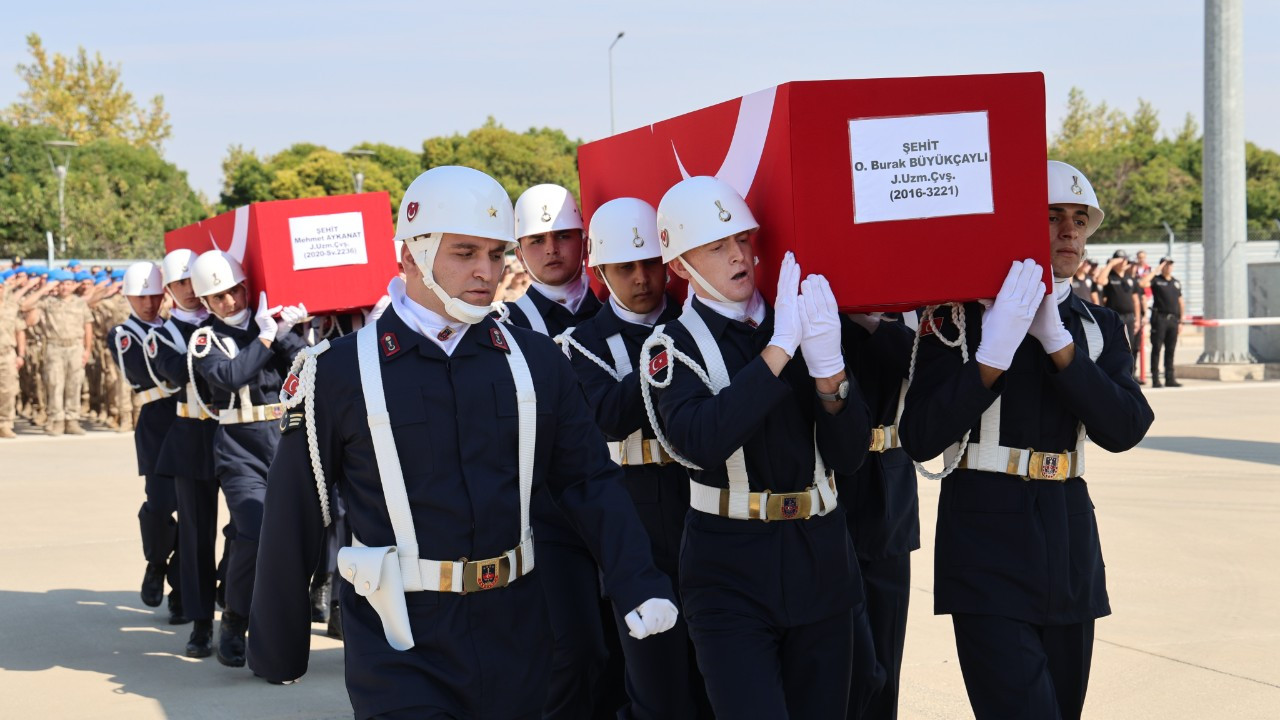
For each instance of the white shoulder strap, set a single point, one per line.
(388, 459)
(536, 323)
(618, 349)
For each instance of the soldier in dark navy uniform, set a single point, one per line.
(1018, 564)
(187, 452)
(587, 679)
(881, 505)
(768, 575)
(438, 426)
(244, 358)
(662, 680)
(144, 290)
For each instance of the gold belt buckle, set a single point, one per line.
(646, 451)
(1049, 466)
(487, 574)
(877, 439)
(788, 506)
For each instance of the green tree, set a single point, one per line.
(83, 100)
(516, 160)
(308, 170)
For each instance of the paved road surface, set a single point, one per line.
(1190, 530)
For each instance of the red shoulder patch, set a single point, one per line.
(658, 362)
(202, 340)
(124, 342)
(390, 344)
(498, 339)
(291, 384)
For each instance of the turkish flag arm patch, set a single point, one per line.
(659, 361)
(291, 384)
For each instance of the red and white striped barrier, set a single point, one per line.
(1224, 322)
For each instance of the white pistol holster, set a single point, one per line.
(375, 574)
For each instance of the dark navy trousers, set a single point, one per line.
(1014, 669)
(244, 496)
(158, 527)
(886, 585)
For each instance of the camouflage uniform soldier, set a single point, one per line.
(68, 326)
(117, 400)
(13, 350)
(31, 377)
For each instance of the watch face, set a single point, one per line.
(843, 390)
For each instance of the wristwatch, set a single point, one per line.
(842, 392)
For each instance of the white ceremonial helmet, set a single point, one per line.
(546, 208)
(623, 230)
(142, 278)
(177, 265)
(457, 200)
(698, 211)
(1069, 185)
(214, 272)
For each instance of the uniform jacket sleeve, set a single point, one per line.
(231, 374)
(587, 485)
(133, 359)
(289, 547)
(844, 438)
(1103, 395)
(946, 397)
(170, 365)
(617, 404)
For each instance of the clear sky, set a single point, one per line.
(270, 73)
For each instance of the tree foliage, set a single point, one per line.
(1144, 177)
(120, 199)
(306, 170)
(84, 100)
(516, 160)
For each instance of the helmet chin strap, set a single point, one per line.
(697, 277)
(453, 307)
(604, 278)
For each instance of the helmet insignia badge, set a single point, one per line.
(1075, 185)
(411, 211)
(146, 283)
(546, 216)
(637, 240)
(493, 211)
(725, 215)
(664, 237)
(214, 277)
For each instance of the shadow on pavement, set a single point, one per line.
(114, 634)
(1267, 453)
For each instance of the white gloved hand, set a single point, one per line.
(654, 615)
(786, 307)
(1005, 323)
(866, 321)
(1047, 326)
(820, 321)
(267, 325)
(290, 316)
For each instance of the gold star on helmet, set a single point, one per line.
(493, 211)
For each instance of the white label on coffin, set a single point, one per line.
(920, 166)
(321, 241)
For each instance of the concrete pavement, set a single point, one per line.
(1190, 526)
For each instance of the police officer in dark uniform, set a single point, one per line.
(244, 359)
(187, 452)
(1121, 294)
(882, 507)
(438, 425)
(1018, 564)
(1168, 307)
(144, 290)
(662, 680)
(768, 574)
(588, 675)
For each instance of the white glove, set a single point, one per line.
(267, 326)
(290, 316)
(866, 321)
(654, 615)
(1005, 323)
(820, 321)
(786, 307)
(1047, 326)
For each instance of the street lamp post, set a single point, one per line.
(61, 171)
(615, 42)
(357, 174)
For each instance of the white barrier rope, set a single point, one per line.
(304, 366)
(934, 325)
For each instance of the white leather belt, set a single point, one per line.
(764, 505)
(464, 576)
(636, 450)
(884, 438)
(192, 411)
(251, 413)
(1026, 463)
(143, 397)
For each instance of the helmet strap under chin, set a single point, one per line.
(701, 281)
